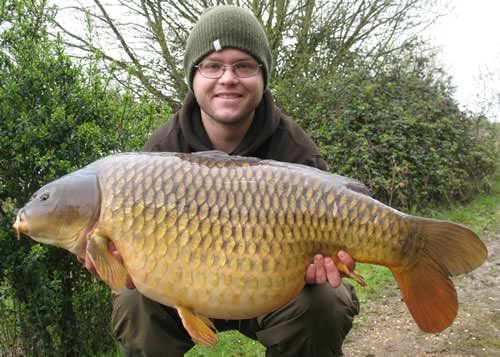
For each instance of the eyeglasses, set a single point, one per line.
(242, 69)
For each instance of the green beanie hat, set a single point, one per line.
(227, 27)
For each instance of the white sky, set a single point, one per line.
(469, 39)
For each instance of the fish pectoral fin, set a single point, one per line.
(109, 268)
(200, 328)
(342, 268)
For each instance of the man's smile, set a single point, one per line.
(228, 95)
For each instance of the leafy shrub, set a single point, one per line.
(395, 127)
(54, 118)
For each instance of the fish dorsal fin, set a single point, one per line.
(352, 184)
(211, 154)
(348, 182)
(220, 158)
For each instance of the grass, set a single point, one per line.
(231, 344)
(482, 214)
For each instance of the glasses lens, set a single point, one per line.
(245, 69)
(211, 69)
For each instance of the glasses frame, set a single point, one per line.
(224, 68)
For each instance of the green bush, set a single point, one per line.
(396, 128)
(54, 118)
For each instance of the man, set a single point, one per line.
(228, 64)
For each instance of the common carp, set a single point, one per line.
(219, 236)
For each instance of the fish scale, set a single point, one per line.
(230, 237)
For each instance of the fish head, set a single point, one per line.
(62, 212)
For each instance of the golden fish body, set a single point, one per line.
(230, 237)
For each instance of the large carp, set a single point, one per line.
(230, 237)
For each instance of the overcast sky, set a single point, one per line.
(469, 39)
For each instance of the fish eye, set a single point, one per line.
(44, 196)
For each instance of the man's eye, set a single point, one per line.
(244, 65)
(212, 66)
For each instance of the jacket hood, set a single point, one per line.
(265, 122)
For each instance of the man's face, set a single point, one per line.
(228, 100)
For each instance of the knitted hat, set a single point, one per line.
(226, 27)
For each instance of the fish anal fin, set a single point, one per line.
(429, 295)
(108, 267)
(200, 328)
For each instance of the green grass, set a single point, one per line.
(230, 344)
(482, 214)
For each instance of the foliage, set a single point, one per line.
(396, 128)
(54, 118)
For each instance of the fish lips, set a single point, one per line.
(20, 225)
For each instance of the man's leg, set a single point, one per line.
(315, 323)
(146, 328)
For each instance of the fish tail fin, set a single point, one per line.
(449, 249)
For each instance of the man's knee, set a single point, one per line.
(126, 312)
(315, 323)
(146, 328)
(327, 303)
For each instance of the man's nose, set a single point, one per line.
(228, 75)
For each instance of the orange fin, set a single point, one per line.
(448, 249)
(109, 269)
(342, 268)
(454, 247)
(200, 328)
(429, 295)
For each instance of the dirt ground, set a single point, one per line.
(385, 327)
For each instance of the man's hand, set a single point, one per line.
(87, 263)
(323, 269)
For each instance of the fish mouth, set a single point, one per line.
(20, 225)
